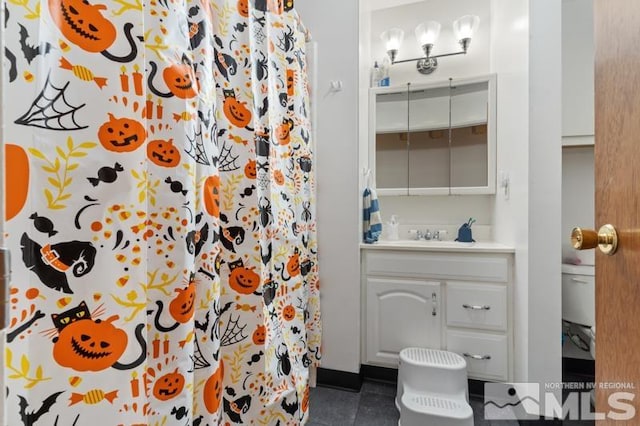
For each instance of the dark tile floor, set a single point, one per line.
(374, 406)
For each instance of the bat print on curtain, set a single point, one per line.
(160, 209)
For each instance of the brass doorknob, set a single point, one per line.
(606, 239)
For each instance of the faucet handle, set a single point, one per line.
(415, 234)
(436, 235)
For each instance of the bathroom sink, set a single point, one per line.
(426, 243)
(436, 246)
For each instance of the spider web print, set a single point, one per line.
(198, 359)
(51, 110)
(233, 333)
(227, 162)
(196, 149)
(263, 180)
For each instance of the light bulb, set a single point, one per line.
(465, 26)
(428, 32)
(393, 38)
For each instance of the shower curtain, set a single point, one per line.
(160, 213)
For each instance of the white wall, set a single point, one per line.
(526, 55)
(510, 61)
(578, 199)
(545, 197)
(333, 25)
(407, 17)
(439, 209)
(425, 211)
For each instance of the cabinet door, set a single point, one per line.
(391, 141)
(400, 314)
(429, 154)
(471, 156)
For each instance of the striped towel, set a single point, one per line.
(372, 222)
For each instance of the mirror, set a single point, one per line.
(469, 144)
(391, 140)
(429, 138)
(435, 139)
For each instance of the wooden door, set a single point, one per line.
(617, 158)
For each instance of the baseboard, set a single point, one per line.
(390, 375)
(339, 379)
(381, 374)
(476, 388)
(584, 367)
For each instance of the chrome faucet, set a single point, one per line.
(427, 235)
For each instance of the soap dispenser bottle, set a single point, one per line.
(376, 75)
(393, 228)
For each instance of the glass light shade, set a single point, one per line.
(392, 38)
(466, 26)
(428, 32)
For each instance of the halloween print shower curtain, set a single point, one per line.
(160, 213)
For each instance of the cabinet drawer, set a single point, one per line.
(477, 305)
(407, 264)
(486, 354)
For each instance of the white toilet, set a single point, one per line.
(579, 305)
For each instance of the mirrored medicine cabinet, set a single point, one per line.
(434, 139)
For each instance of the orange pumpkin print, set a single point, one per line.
(88, 345)
(305, 400)
(181, 80)
(168, 386)
(235, 111)
(278, 177)
(291, 78)
(288, 312)
(83, 24)
(293, 264)
(250, 169)
(121, 134)
(212, 392)
(163, 153)
(16, 175)
(243, 8)
(259, 335)
(283, 132)
(182, 306)
(242, 279)
(211, 195)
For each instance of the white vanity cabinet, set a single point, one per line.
(458, 300)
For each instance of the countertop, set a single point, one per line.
(439, 246)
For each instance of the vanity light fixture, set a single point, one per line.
(427, 34)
